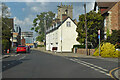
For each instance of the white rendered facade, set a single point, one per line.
(67, 32)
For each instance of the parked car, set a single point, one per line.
(21, 48)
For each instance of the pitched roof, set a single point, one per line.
(60, 25)
(107, 5)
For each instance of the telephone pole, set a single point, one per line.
(45, 30)
(61, 33)
(86, 31)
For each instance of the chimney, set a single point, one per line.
(64, 16)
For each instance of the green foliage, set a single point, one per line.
(82, 46)
(94, 23)
(107, 50)
(78, 46)
(39, 24)
(114, 38)
(40, 38)
(6, 28)
(5, 11)
(108, 33)
(40, 45)
(5, 43)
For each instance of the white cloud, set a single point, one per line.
(25, 24)
(23, 9)
(35, 9)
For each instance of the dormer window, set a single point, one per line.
(68, 24)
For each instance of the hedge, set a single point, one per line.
(82, 46)
(40, 45)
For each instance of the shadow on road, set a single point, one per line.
(9, 64)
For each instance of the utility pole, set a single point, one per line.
(45, 30)
(61, 29)
(86, 31)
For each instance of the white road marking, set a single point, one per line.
(94, 65)
(97, 68)
(22, 57)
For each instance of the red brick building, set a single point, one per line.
(22, 41)
(111, 13)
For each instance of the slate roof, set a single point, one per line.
(60, 25)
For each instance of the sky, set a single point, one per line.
(25, 12)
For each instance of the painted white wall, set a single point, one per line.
(69, 36)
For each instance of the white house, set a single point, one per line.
(65, 32)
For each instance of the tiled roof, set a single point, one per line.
(107, 5)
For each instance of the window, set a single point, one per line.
(56, 43)
(68, 24)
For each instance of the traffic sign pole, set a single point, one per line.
(99, 45)
(99, 40)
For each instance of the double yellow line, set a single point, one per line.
(112, 71)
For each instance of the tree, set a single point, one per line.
(5, 11)
(38, 23)
(114, 38)
(94, 23)
(6, 28)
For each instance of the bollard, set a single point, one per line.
(8, 51)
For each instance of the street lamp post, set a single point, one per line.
(86, 31)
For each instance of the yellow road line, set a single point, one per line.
(112, 71)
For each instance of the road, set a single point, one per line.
(38, 64)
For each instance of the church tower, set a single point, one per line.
(65, 9)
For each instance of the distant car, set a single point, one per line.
(21, 48)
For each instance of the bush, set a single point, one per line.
(79, 46)
(82, 46)
(40, 45)
(107, 50)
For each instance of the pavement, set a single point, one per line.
(116, 72)
(76, 55)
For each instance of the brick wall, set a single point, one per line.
(114, 17)
(22, 41)
(119, 15)
(83, 51)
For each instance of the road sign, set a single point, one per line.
(98, 32)
(98, 36)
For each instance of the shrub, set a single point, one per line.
(96, 53)
(82, 46)
(107, 50)
(40, 45)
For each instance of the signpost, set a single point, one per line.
(99, 40)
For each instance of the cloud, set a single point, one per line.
(25, 24)
(23, 9)
(35, 9)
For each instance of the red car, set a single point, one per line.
(21, 48)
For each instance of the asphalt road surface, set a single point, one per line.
(37, 64)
